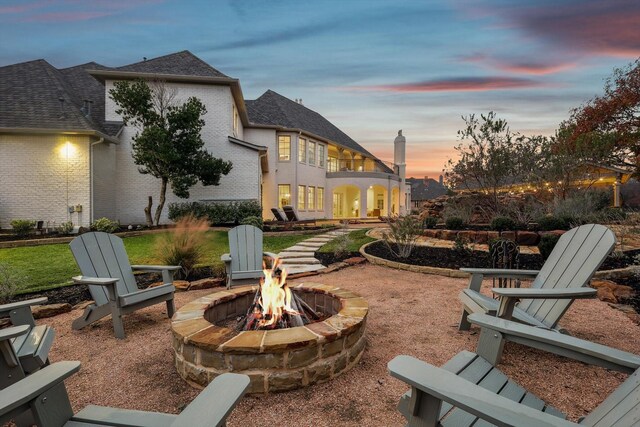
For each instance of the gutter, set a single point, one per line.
(49, 131)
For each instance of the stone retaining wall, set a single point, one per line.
(274, 360)
(524, 238)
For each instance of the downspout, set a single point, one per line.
(260, 180)
(100, 141)
(296, 163)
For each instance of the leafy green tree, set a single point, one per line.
(492, 158)
(167, 144)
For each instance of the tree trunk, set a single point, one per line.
(163, 192)
(147, 212)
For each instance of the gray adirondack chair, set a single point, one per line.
(24, 347)
(572, 263)
(469, 390)
(278, 215)
(44, 396)
(105, 267)
(244, 260)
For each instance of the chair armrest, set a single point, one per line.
(5, 308)
(214, 404)
(155, 267)
(270, 255)
(448, 387)
(560, 344)
(13, 331)
(225, 258)
(531, 293)
(29, 388)
(99, 281)
(506, 273)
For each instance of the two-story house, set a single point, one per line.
(66, 155)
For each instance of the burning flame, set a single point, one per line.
(275, 296)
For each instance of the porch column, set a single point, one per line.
(617, 197)
(363, 201)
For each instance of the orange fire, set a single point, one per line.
(275, 297)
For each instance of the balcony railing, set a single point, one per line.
(357, 165)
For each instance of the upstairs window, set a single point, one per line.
(284, 148)
(236, 122)
(332, 164)
(312, 153)
(302, 150)
(321, 154)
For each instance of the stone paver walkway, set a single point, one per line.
(300, 259)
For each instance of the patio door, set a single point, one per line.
(337, 205)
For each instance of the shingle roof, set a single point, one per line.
(30, 94)
(180, 63)
(422, 191)
(274, 109)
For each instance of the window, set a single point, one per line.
(302, 150)
(332, 164)
(301, 193)
(311, 198)
(312, 153)
(284, 195)
(236, 121)
(284, 148)
(321, 155)
(320, 199)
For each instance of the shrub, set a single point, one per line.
(105, 225)
(502, 223)
(430, 222)
(22, 227)
(613, 214)
(547, 243)
(402, 237)
(548, 223)
(342, 242)
(216, 212)
(582, 206)
(184, 245)
(454, 223)
(10, 282)
(256, 221)
(66, 227)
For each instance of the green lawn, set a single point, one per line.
(358, 238)
(52, 266)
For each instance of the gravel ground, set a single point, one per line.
(410, 313)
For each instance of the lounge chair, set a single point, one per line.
(105, 267)
(244, 260)
(468, 390)
(572, 263)
(24, 347)
(291, 213)
(278, 215)
(45, 398)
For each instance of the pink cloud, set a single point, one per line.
(53, 17)
(460, 84)
(22, 7)
(535, 68)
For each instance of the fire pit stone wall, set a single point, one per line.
(275, 360)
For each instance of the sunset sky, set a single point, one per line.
(371, 67)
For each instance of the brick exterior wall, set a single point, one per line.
(242, 183)
(34, 172)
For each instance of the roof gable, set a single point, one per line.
(182, 63)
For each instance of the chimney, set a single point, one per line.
(441, 180)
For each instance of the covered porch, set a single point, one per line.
(363, 197)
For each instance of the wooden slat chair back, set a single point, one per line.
(245, 247)
(104, 255)
(572, 263)
(244, 260)
(620, 408)
(292, 214)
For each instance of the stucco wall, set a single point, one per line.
(34, 173)
(242, 183)
(267, 138)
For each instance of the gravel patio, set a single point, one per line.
(410, 313)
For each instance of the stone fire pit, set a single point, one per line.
(274, 360)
